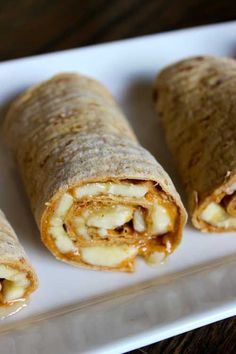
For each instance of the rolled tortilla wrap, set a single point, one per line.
(98, 197)
(195, 99)
(17, 277)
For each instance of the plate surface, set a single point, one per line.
(83, 311)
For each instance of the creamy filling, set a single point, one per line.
(107, 220)
(13, 284)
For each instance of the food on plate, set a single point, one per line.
(99, 198)
(195, 99)
(17, 277)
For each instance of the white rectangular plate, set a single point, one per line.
(83, 311)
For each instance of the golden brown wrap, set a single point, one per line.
(17, 277)
(195, 99)
(94, 190)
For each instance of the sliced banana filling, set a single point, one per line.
(161, 222)
(216, 215)
(108, 217)
(95, 221)
(125, 190)
(223, 214)
(108, 256)
(13, 284)
(57, 230)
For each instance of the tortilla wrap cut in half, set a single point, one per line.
(195, 100)
(99, 198)
(17, 277)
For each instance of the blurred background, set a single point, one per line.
(29, 27)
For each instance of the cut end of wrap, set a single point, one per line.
(195, 101)
(18, 280)
(217, 212)
(108, 224)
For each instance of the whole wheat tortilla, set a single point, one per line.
(69, 131)
(195, 99)
(13, 255)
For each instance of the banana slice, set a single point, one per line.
(108, 217)
(62, 241)
(14, 284)
(104, 218)
(155, 258)
(216, 215)
(64, 205)
(81, 227)
(125, 190)
(102, 232)
(11, 291)
(161, 221)
(107, 256)
(138, 221)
